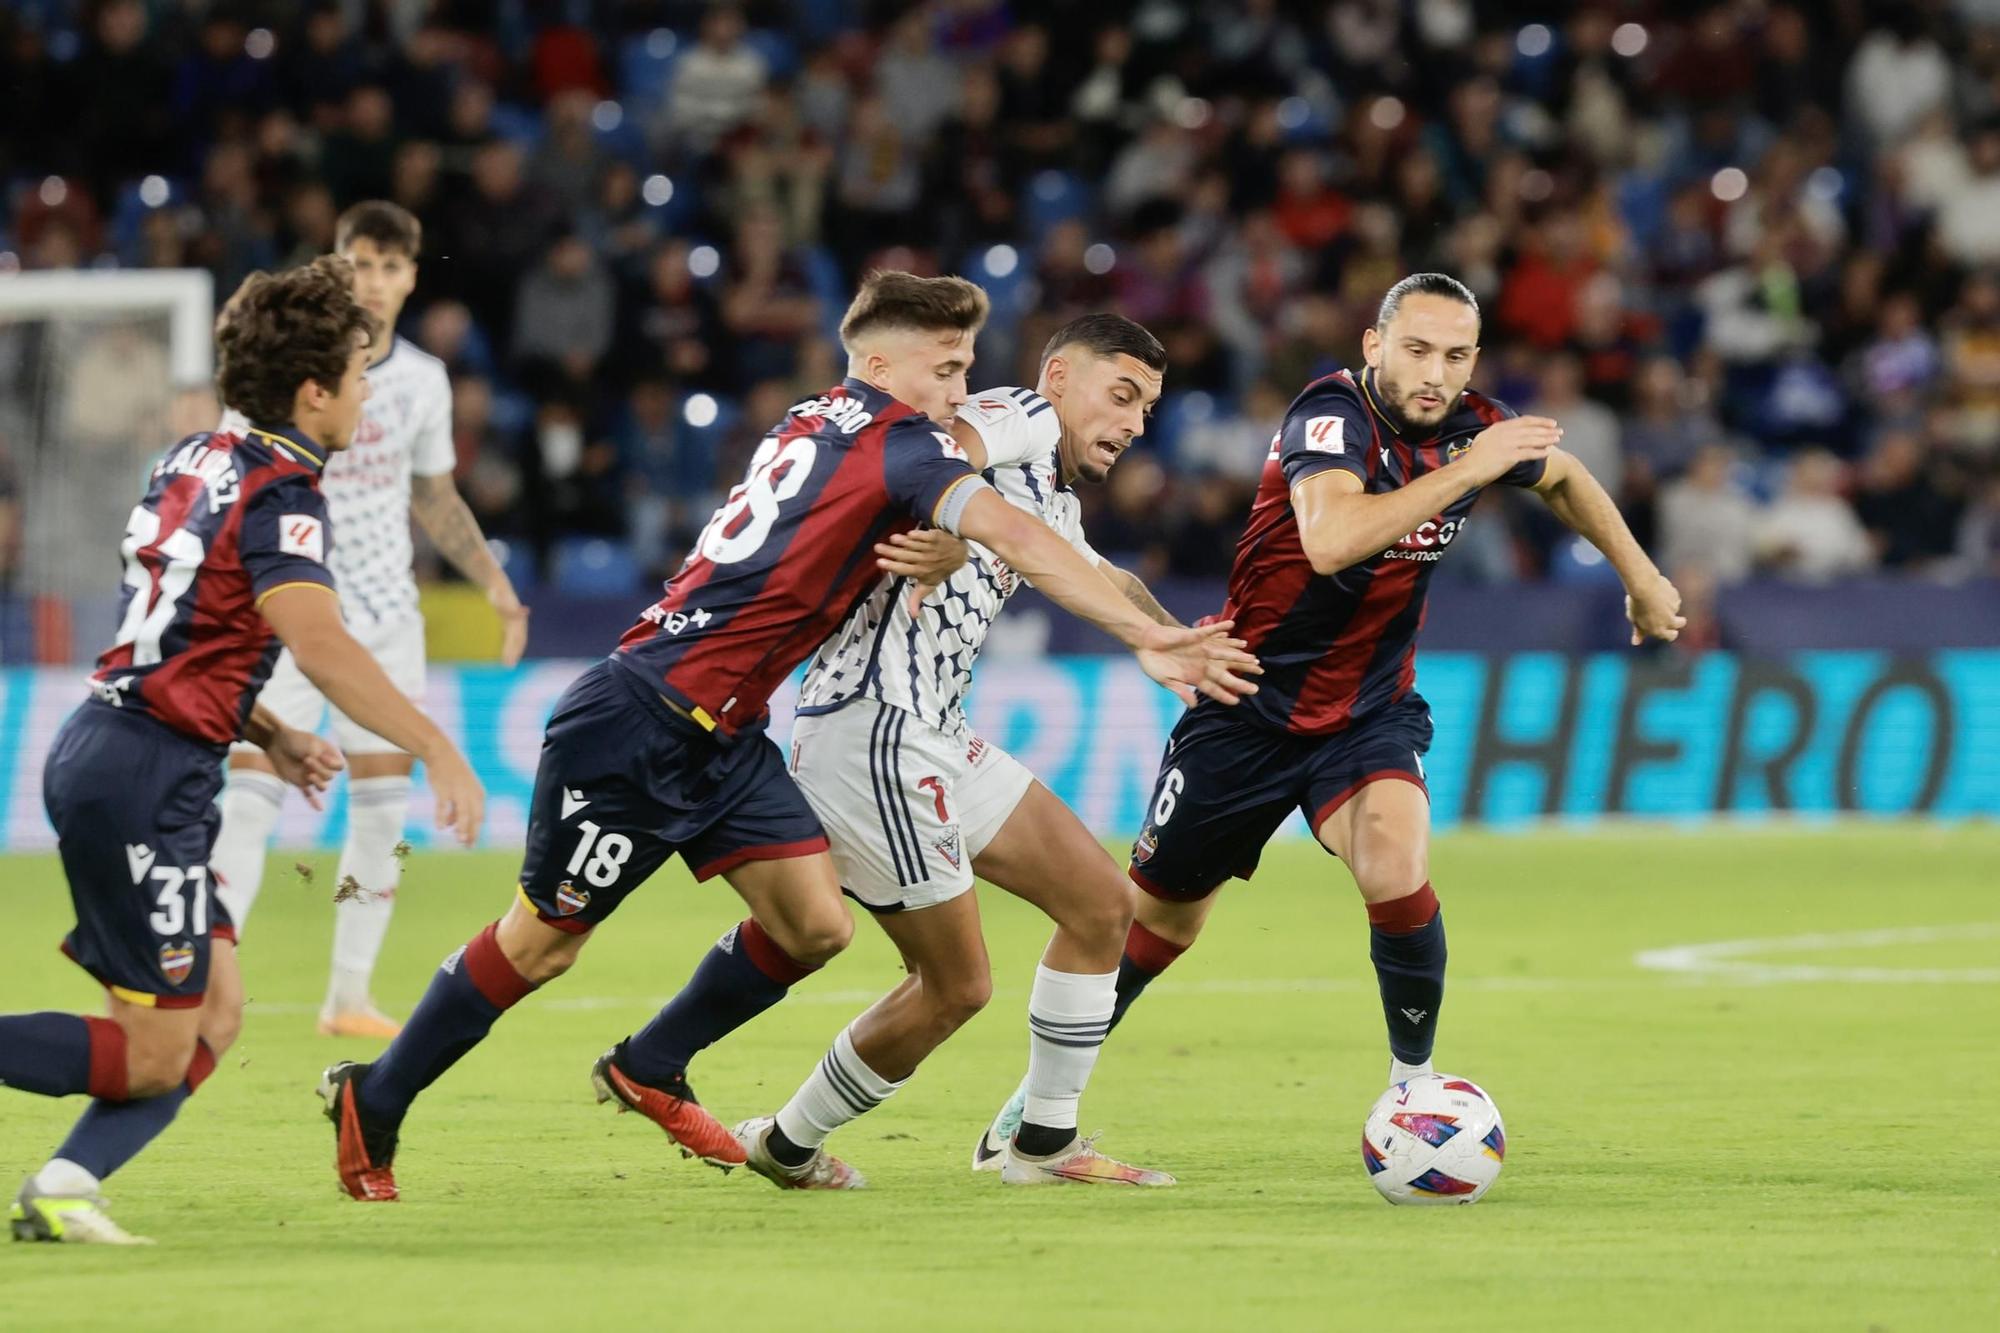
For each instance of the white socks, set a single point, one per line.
(250, 806)
(64, 1177)
(376, 808)
(1069, 1014)
(841, 1089)
(1402, 1073)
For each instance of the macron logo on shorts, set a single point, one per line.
(302, 534)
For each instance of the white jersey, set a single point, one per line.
(405, 431)
(923, 664)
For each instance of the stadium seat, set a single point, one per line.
(646, 70)
(1054, 196)
(517, 124)
(779, 54)
(594, 567)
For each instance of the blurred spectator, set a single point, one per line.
(673, 327)
(564, 316)
(716, 82)
(1706, 520)
(567, 163)
(1668, 422)
(1969, 221)
(1810, 532)
(1590, 429)
(1909, 502)
(1776, 225)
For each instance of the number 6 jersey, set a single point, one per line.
(228, 518)
(792, 550)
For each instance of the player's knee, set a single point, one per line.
(545, 965)
(956, 1000)
(1385, 874)
(1100, 920)
(815, 941)
(221, 1026)
(154, 1068)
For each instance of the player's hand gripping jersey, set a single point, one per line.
(1339, 647)
(790, 552)
(923, 663)
(227, 519)
(405, 431)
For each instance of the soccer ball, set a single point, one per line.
(1435, 1139)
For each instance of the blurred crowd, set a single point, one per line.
(1747, 252)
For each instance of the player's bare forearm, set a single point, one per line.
(1340, 525)
(1053, 566)
(1587, 509)
(307, 619)
(1652, 603)
(1137, 593)
(261, 729)
(448, 521)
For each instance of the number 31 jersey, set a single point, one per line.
(791, 551)
(228, 518)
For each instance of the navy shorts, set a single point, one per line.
(133, 804)
(625, 782)
(1226, 783)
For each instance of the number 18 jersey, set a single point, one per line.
(791, 551)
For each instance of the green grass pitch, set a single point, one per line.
(1739, 1148)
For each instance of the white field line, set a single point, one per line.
(859, 999)
(1738, 960)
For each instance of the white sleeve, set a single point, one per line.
(431, 452)
(1018, 426)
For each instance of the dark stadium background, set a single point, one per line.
(1745, 251)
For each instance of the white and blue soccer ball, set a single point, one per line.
(1437, 1138)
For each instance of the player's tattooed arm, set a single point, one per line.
(1137, 593)
(1652, 603)
(452, 528)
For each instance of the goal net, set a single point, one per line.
(99, 372)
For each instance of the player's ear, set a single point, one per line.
(1371, 347)
(1056, 375)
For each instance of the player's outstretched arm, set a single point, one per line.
(1184, 660)
(449, 522)
(307, 618)
(1340, 525)
(1137, 593)
(1652, 603)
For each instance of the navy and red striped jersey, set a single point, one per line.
(227, 520)
(791, 551)
(1338, 647)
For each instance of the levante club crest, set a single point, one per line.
(1456, 450)
(176, 961)
(570, 899)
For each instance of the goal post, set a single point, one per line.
(100, 370)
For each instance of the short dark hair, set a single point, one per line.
(1107, 335)
(390, 226)
(1424, 284)
(280, 330)
(893, 299)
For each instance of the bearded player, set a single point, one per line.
(916, 804)
(1370, 479)
(660, 749)
(400, 465)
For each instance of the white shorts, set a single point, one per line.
(906, 807)
(297, 702)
